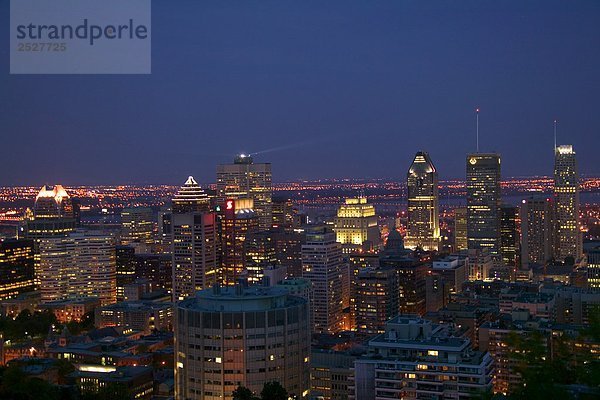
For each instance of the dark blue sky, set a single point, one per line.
(359, 86)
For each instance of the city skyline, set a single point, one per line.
(305, 84)
(283, 199)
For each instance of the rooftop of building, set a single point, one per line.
(240, 297)
(413, 332)
(112, 374)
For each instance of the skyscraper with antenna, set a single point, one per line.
(483, 198)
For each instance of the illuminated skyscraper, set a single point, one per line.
(460, 228)
(53, 202)
(355, 225)
(483, 202)
(566, 192)
(194, 241)
(536, 230)
(81, 264)
(245, 179)
(323, 265)
(52, 215)
(238, 221)
(423, 228)
(137, 228)
(16, 267)
(190, 198)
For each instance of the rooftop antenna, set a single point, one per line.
(477, 126)
(555, 123)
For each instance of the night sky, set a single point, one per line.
(341, 89)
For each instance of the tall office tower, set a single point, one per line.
(137, 228)
(53, 202)
(566, 192)
(194, 241)
(376, 299)
(125, 261)
(536, 230)
(190, 198)
(509, 234)
(259, 248)
(16, 267)
(244, 179)
(238, 221)
(82, 264)
(411, 274)
(483, 202)
(593, 270)
(323, 265)
(232, 336)
(460, 229)
(52, 215)
(416, 359)
(423, 228)
(355, 225)
(283, 213)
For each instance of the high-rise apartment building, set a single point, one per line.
(230, 336)
(81, 264)
(536, 230)
(194, 241)
(355, 225)
(483, 202)
(417, 359)
(566, 193)
(323, 265)
(16, 267)
(423, 228)
(245, 179)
